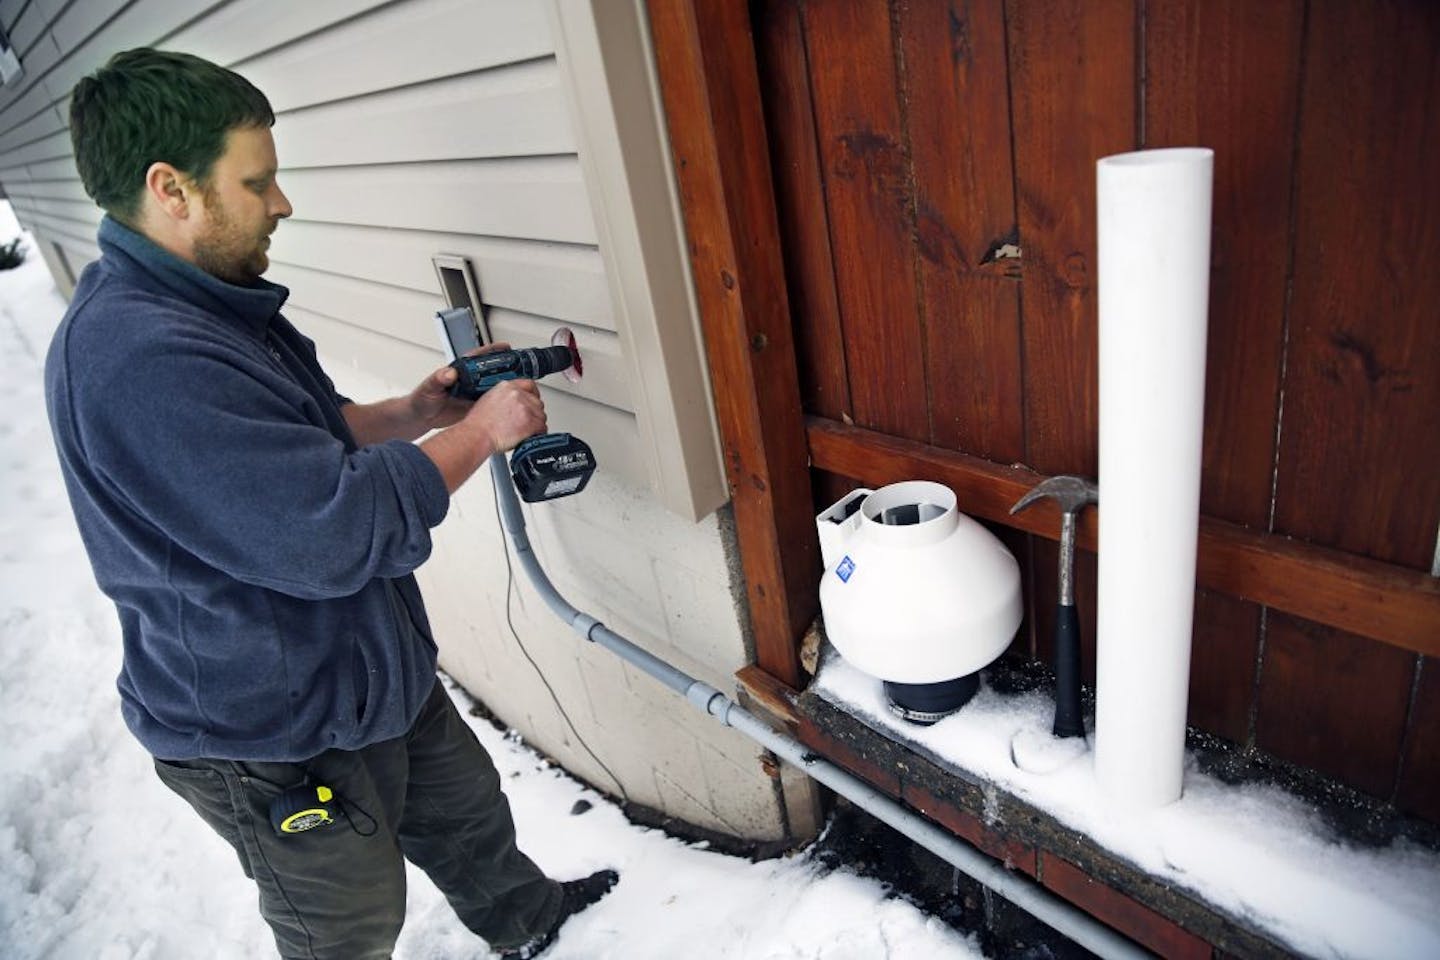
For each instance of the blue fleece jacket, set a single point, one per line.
(260, 562)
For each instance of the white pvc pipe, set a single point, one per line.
(1154, 282)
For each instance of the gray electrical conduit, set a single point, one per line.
(1072, 922)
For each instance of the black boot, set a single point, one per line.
(575, 895)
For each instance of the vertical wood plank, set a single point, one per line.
(800, 203)
(1333, 702)
(1073, 97)
(1226, 75)
(956, 99)
(830, 487)
(1360, 444)
(1419, 789)
(717, 137)
(1223, 650)
(868, 193)
(1359, 463)
(1072, 101)
(1018, 543)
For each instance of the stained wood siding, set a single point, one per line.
(403, 130)
(916, 143)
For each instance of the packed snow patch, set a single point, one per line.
(1254, 851)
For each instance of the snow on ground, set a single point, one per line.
(102, 862)
(1255, 852)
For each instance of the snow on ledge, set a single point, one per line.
(1252, 851)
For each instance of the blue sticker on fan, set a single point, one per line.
(843, 571)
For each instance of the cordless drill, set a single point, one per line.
(548, 465)
(476, 375)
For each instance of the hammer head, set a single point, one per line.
(1071, 494)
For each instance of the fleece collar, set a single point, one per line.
(136, 255)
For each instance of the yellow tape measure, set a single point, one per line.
(303, 808)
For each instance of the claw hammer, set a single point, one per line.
(1072, 495)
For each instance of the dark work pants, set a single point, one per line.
(338, 891)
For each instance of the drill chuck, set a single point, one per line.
(476, 375)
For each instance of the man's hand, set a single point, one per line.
(508, 413)
(470, 431)
(431, 404)
(505, 415)
(412, 415)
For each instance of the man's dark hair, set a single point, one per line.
(147, 106)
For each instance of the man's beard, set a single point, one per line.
(225, 252)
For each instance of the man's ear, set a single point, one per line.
(169, 191)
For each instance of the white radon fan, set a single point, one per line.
(916, 594)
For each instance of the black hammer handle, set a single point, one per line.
(1068, 722)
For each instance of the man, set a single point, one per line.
(258, 532)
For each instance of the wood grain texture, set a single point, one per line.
(718, 142)
(1419, 788)
(1225, 75)
(774, 698)
(1223, 651)
(1015, 854)
(956, 102)
(1360, 445)
(1333, 702)
(861, 139)
(1073, 101)
(1137, 921)
(800, 203)
(1359, 459)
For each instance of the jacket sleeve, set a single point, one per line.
(226, 455)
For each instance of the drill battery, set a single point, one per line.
(551, 465)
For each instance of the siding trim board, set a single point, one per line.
(717, 138)
(605, 59)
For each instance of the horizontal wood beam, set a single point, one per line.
(1384, 602)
